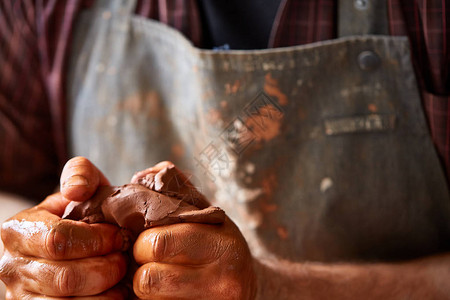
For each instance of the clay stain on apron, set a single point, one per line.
(232, 88)
(266, 124)
(272, 89)
(147, 104)
(214, 117)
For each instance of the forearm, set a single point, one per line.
(419, 279)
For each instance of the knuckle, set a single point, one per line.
(143, 286)
(7, 231)
(68, 281)
(7, 269)
(56, 242)
(160, 243)
(153, 280)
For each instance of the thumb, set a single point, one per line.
(80, 179)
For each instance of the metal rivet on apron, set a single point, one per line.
(368, 60)
(361, 4)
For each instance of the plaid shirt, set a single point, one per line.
(35, 41)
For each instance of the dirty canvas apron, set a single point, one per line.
(317, 152)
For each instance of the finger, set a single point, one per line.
(155, 169)
(82, 277)
(115, 293)
(184, 243)
(167, 281)
(15, 273)
(54, 204)
(80, 179)
(38, 233)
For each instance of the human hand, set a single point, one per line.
(226, 266)
(47, 257)
(193, 261)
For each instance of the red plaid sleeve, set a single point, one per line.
(427, 23)
(182, 15)
(302, 22)
(33, 47)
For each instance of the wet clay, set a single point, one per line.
(161, 195)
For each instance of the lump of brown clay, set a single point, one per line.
(160, 195)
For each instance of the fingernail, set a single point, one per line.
(76, 180)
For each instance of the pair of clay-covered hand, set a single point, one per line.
(184, 249)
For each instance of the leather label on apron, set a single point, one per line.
(368, 123)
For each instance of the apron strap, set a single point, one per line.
(124, 7)
(359, 17)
